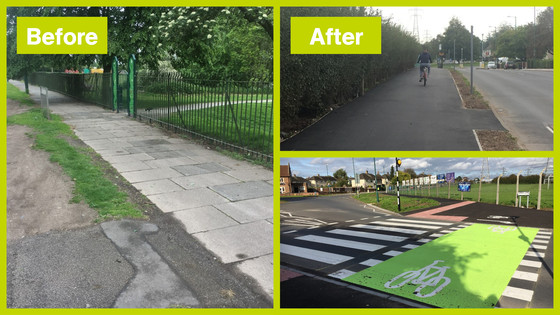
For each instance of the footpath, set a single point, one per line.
(211, 245)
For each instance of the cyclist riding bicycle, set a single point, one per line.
(424, 59)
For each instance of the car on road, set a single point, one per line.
(509, 65)
(491, 65)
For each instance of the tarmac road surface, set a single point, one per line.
(522, 101)
(400, 114)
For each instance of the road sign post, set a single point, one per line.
(397, 164)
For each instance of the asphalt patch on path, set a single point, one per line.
(70, 269)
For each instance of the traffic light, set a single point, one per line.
(398, 161)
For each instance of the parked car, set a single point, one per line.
(509, 65)
(491, 65)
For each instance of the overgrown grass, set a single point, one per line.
(15, 94)
(389, 202)
(90, 184)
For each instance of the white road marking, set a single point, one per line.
(340, 242)
(374, 236)
(392, 253)
(341, 274)
(517, 293)
(530, 276)
(371, 262)
(535, 254)
(422, 226)
(311, 254)
(389, 229)
(550, 129)
(530, 263)
(420, 221)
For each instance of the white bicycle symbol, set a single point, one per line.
(424, 278)
(501, 229)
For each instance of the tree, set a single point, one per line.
(341, 178)
(411, 172)
(392, 172)
(455, 37)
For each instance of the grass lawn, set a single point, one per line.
(89, 180)
(243, 124)
(15, 94)
(488, 193)
(389, 202)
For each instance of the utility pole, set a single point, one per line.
(472, 59)
(397, 164)
(375, 174)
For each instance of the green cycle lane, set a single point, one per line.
(468, 268)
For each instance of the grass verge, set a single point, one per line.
(389, 202)
(90, 184)
(15, 94)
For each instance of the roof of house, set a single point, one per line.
(320, 178)
(285, 171)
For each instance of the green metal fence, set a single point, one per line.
(235, 115)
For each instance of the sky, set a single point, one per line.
(470, 167)
(434, 20)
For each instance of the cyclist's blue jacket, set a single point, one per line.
(424, 57)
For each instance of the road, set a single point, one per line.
(523, 101)
(488, 265)
(400, 114)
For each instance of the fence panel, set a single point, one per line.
(237, 115)
(92, 87)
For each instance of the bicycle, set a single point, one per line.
(423, 278)
(424, 70)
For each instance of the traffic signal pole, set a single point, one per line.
(397, 164)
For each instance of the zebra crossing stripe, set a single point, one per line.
(371, 262)
(422, 226)
(342, 273)
(530, 263)
(388, 229)
(312, 254)
(375, 236)
(529, 276)
(340, 242)
(518, 293)
(535, 254)
(392, 253)
(420, 221)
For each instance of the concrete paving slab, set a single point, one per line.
(249, 210)
(129, 158)
(162, 163)
(204, 180)
(260, 269)
(155, 187)
(128, 167)
(149, 175)
(242, 191)
(239, 242)
(154, 285)
(251, 174)
(166, 154)
(203, 219)
(187, 199)
(197, 169)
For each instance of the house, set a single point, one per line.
(367, 180)
(290, 184)
(321, 183)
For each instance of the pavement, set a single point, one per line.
(211, 245)
(400, 114)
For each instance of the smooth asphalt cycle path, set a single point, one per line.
(400, 114)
